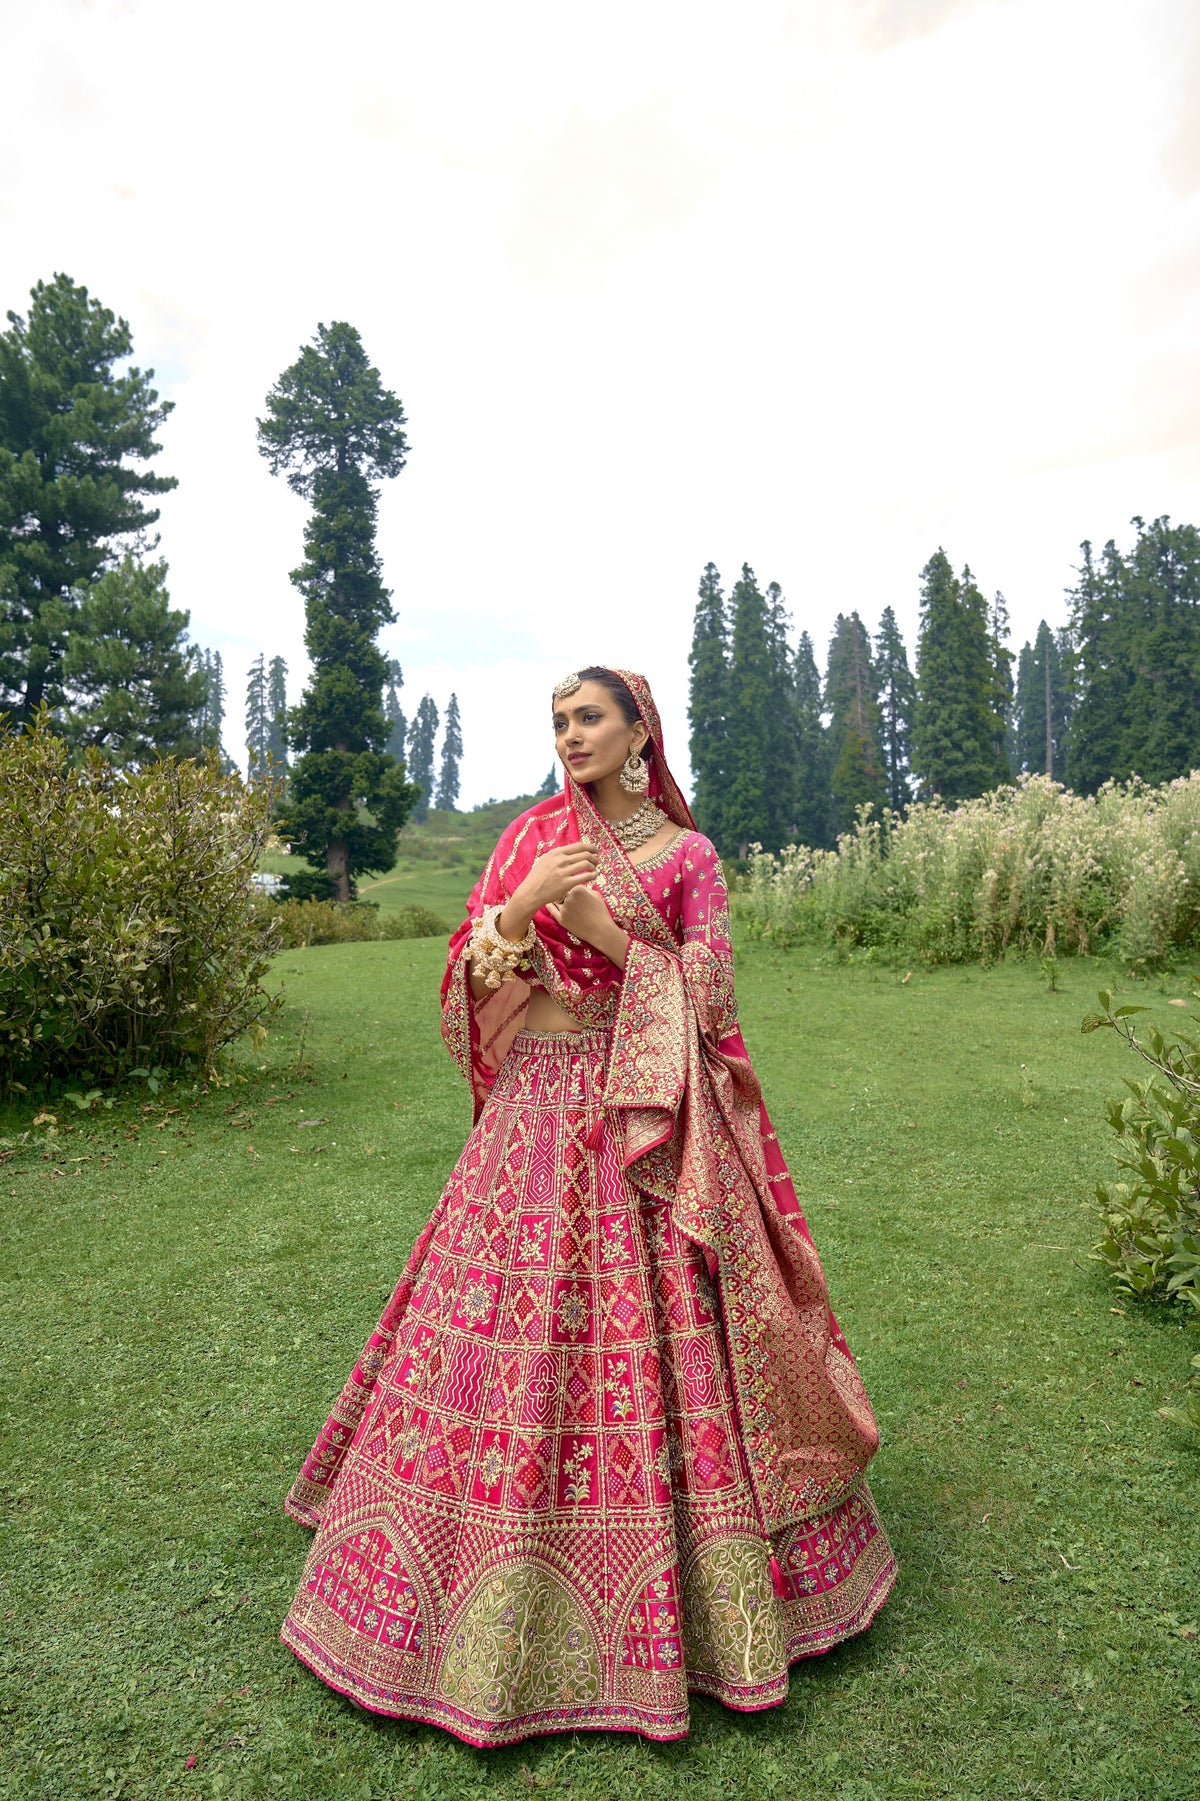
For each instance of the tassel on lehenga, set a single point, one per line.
(532, 1504)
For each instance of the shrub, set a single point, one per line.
(1151, 1242)
(1031, 867)
(128, 931)
(308, 922)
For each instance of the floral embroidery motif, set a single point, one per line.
(477, 1303)
(491, 1466)
(578, 1485)
(615, 1247)
(574, 1313)
(616, 1387)
(532, 1248)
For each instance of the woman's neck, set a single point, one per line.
(613, 801)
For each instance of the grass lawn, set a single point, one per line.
(186, 1284)
(412, 883)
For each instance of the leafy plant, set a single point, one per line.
(1031, 867)
(1151, 1242)
(129, 938)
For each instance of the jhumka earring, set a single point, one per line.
(635, 775)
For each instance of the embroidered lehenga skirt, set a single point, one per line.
(532, 1506)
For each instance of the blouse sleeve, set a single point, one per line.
(707, 951)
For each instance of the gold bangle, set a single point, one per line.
(494, 957)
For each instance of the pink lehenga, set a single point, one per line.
(607, 1444)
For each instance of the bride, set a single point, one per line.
(606, 1447)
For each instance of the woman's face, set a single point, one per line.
(591, 734)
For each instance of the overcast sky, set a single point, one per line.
(817, 286)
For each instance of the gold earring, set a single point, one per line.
(635, 775)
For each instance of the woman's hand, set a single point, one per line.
(585, 914)
(552, 879)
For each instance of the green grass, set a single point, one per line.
(439, 860)
(184, 1291)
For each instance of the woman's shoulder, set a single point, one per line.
(544, 817)
(700, 851)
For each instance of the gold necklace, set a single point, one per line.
(639, 827)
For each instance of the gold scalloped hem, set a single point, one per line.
(812, 1639)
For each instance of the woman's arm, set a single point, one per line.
(557, 876)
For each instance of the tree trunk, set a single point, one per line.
(335, 866)
(1049, 722)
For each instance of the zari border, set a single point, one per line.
(876, 1564)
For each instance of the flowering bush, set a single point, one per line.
(1030, 867)
(127, 926)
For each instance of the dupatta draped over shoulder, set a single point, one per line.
(683, 1108)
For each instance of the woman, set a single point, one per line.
(607, 1443)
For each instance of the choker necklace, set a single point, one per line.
(639, 828)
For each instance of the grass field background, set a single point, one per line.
(185, 1282)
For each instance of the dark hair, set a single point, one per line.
(608, 678)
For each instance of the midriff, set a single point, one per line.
(545, 1015)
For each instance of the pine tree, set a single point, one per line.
(277, 726)
(1042, 706)
(392, 712)
(552, 783)
(897, 703)
(71, 426)
(130, 682)
(1001, 691)
(1103, 659)
(448, 783)
(857, 778)
(1161, 738)
(210, 712)
(780, 758)
(954, 724)
(257, 719)
(422, 734)
(337, 432)
(811, 783)
(708, 706)
(746, 813)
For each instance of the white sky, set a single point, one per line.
(817, 286)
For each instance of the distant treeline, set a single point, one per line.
(782, 755)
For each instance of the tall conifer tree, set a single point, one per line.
(337, 432)
(1042, 706)
(210, 716)
(897, 703)
(857, 777)
(746, 816)
(257, 718)
(132, 684)
(75, 422)
(422, 736)
(1161, 602)
(448, 783)
(1104, 654)
(277, 726)
(708, 706)
(954, 725)
(811, 793)
(1003, 738)
(394, 713)
(780, 727)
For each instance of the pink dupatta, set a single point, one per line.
(683, 1107)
